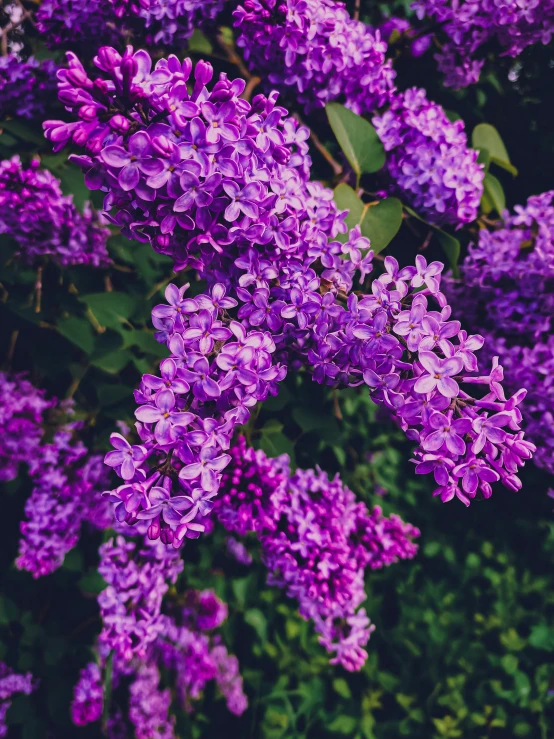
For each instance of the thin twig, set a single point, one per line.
(337, 168)
(11, 348)
(233, 57)
(250, 86)
(356, 14)
(38, 288)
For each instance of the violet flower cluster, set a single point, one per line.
(186, 648)
(45, 223)
(216, 177)
(137, 574)
(26, 87)
(80, 24)
(428, 160)
(248, 488)
(77, 24)
(67, 484)
(166, 23)
(315, 48)
(471, 28)
(317, 542)
(10, 684)
(506, 292)
(323, 543)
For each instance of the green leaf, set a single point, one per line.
(343, 725)
(542, 637)
(346, 199)
(256, 619)
(380, 223)
(110, 309)
(494, 194)
(73, 183)
(357, 138)
(23, 131)
(199, 43)
(451, 247)
(341, 687)
(78, 331)
(487, 137)
(112, 362)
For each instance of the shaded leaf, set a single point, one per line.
(485, 136)
(78, 331)
(380, 223)
(357, 138)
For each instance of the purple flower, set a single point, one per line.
(439, 374)
(125, 457)
(207, 468)
(242, 200)
(447, 431)
(162, 413)
(132, 161)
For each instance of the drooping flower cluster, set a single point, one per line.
(26, 87)
(88, 697)
(11, 683)
(315, 48)
(223, 186)
(472, 28)
(77, 24)
(137, 574)
(506, 292)
(45, 223)
(248, 486)
(428, 160)
(167, 23)
(67, 484)
(317, 542)
(184, 649)
(67, 494)
(323, 543)
(195, 658)
(22, 407)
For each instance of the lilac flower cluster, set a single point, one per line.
(218, 176)
(11, 683)
(77, 24)
(247, 489)
(67, 484)
(323, 543)
(137, 574)
(317, 542)
(314, 47)
(506, 291)
(26, 87)
(168, 23)
(472, 27)
(45, 223)
(66, 495)
(181, 647)
(22, 407)
(196, 658)
(428, 160)
(88, 697)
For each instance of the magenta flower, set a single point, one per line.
(133, 161)
(205, 330)
(489, 429)
(163, 415)
(242, 201)
(171, 378)
(162, 504)
(440, 373)
(206, 468)
(125, 457)
(447, 432)
(473, 473)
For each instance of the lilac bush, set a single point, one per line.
(505, 293)
(473, 26)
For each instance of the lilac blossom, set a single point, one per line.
(88, 699)
(26, 87)
(429, 162)
(315, 48)
(45, 223)
(10, 683)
